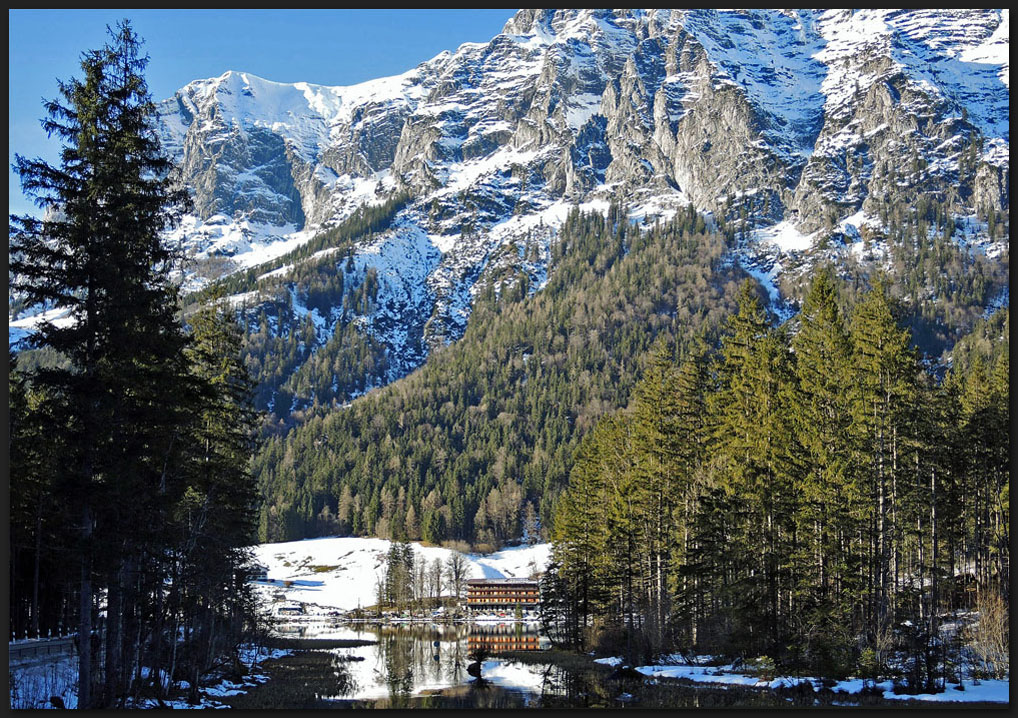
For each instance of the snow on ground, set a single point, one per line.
(32, 686)
(515, 562)
(19, 329)
(342, 572)
(995, 691)
(251, 656)
(991, 691)
(785, 237)
(658, 207)
(1001, 300)
(768, 278)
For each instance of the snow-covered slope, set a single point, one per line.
(343, 572)
(669, 106)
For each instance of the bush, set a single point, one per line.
(869, 665)
(989, 636)
(615, 640)
(762, 667)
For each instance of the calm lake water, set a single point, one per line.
(418, 660)
(426, 666)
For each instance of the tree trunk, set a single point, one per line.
(85, 616)
(112, 636)
(35, 571)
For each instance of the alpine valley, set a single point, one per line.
(448, 276)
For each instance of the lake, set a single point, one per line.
(427, 666)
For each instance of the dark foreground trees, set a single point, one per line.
(129, 453)
(820, 497)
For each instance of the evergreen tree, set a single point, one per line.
(151, 496)
(216, 513)
(882, 389)
(98, 254)
(653, 417)
(37, 593)
(751, 442)
(580, 538)
(829, 559)
(687, 434)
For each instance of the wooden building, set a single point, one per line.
(501, 593)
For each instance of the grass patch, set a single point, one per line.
(567, 660)
(323, 569)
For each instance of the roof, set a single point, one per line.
(501, 581)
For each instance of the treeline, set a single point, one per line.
(810, 494)
(942, 283)
(409, 580)
(298, 365)
(132, 503)
(477, 444)
(364, 221)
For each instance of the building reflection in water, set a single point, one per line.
(503, 637)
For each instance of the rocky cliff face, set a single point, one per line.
(795, 126)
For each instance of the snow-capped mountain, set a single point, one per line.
(798, 125)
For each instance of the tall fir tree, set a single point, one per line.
(831, 507)
(98, 254)
(882, 389)
(654, 416)
(751, 442)
(581, 536)
(688, 436)
(215, 516)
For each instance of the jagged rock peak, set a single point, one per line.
(804, 117)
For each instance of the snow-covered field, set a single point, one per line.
(342, 572)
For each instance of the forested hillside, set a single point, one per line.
(477, 444)
(943, 283)
(481, 437)
(304, 342)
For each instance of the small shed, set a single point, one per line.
(257, 572)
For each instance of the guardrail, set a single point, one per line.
(63, 633)
(31, 650)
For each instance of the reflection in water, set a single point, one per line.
(426, 666)
(502, 637)
(412, 660)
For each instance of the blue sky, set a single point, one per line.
(327, 47)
